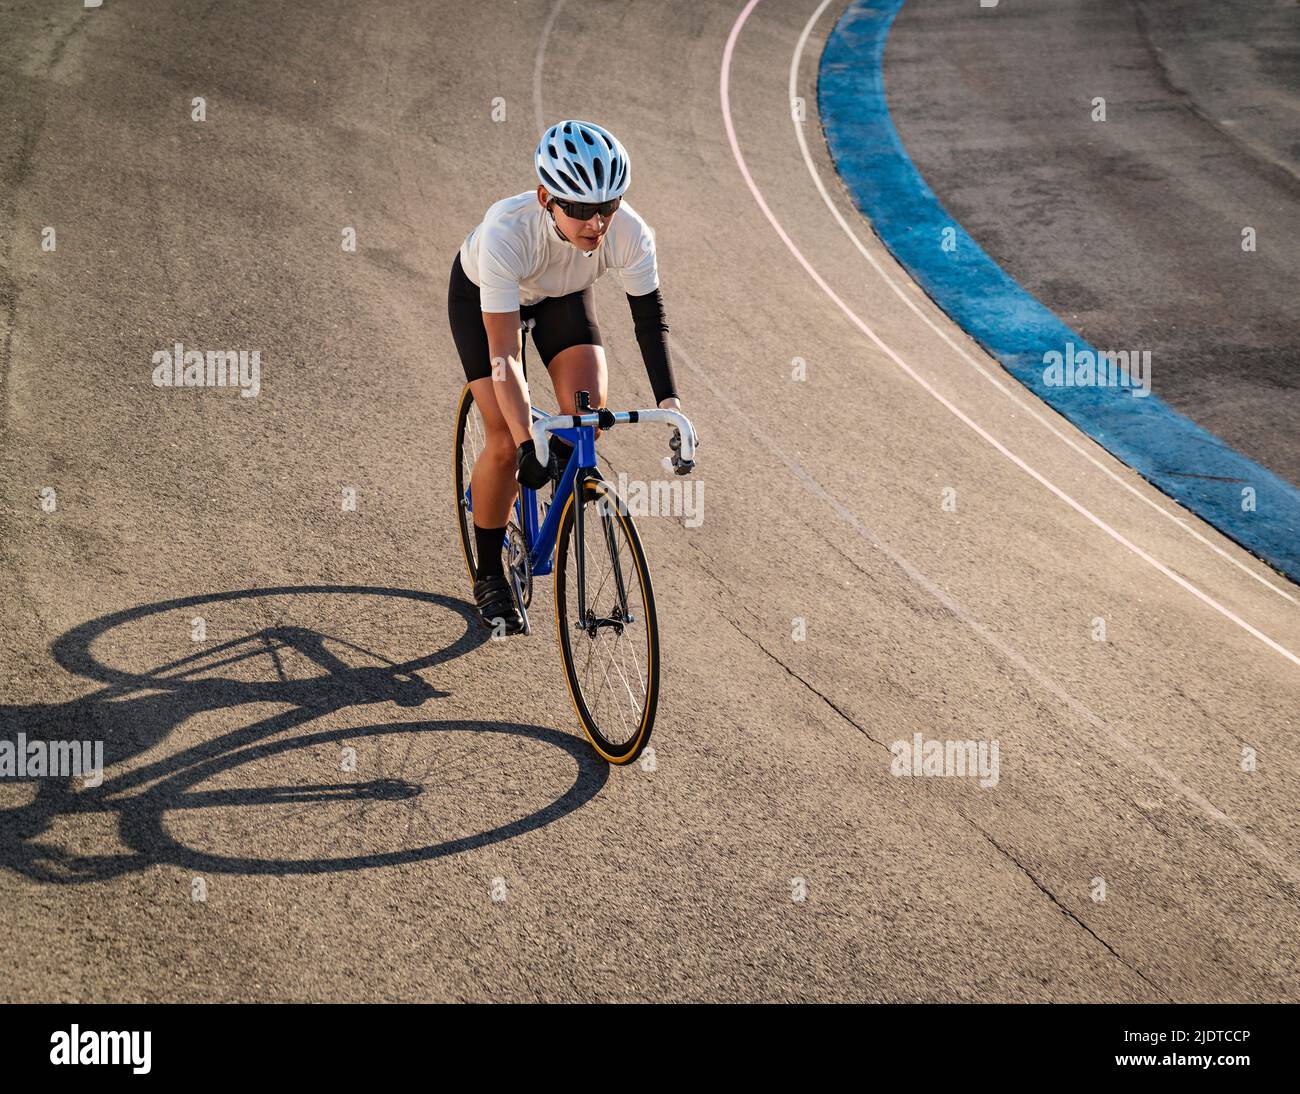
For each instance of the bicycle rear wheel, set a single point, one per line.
(610, 650)
(471, 437)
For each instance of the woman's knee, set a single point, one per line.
(498, 445)
(579, 368)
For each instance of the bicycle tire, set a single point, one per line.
(460, 469)
(613, 750)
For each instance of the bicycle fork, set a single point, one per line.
(621, 616)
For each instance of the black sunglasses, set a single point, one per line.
(579, 211)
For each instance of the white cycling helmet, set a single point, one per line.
(580, 161)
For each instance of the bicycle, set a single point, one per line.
(617, 706)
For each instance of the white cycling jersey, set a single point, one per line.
(516, 256)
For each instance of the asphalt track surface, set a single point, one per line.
(1121, 760)
(1130, 229)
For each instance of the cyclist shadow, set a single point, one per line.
(135, 712)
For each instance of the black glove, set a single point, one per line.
(529, 471)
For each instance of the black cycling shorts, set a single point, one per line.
(559, 322)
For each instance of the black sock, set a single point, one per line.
(488, 544)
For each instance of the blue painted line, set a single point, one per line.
(1169, 450)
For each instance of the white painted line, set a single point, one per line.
(956, 411)
(537, 66)
(1017, 393)
(815, 488)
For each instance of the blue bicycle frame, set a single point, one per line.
(540, 537)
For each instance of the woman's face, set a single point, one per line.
(584, 234)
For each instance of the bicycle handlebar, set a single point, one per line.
(605, 419)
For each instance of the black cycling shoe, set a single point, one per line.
(496, 604)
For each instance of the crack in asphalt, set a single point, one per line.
(1012, 858)
(1066, 911)
(754, 641)
(1061, 907)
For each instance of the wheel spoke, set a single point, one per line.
(612, 672)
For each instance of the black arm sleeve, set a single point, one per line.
(652, 336)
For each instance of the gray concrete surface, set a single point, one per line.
(1129, 229)
(1238, 64)
(1121, 760)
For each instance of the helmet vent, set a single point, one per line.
(599, 169)
(573, 148)
(551, 184)
(577, 167)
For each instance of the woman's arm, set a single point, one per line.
(506, 348)
(651, 325)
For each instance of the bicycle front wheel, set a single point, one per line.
(610, 640)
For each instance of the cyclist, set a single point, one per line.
(532, 263)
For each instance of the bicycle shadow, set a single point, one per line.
(135, 712)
